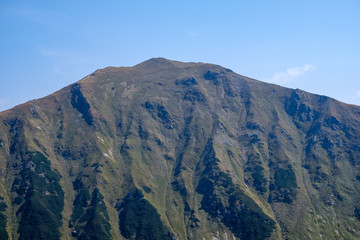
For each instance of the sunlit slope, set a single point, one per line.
(172, 150)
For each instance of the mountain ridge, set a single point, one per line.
(159, 60)
(232, 156)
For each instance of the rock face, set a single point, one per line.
(172, 150)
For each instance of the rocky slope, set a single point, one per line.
(172, 150)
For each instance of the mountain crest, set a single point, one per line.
(172, 150)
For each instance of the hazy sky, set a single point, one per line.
(312, 45)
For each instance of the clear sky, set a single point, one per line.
(313, 45)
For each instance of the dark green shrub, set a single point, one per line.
(91, 221)
(139, 220)
(79, 102)
(283, 187)
(146, 189)
(285, 178)
(259, 180)
(42, 197)
(80, 203)
(3, 220)
(223, 200)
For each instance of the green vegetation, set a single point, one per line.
(194, 95)
(259, 180)
(90, 219)
(79, 102)
(80, 203)
(41, 213)
(255, 173)
(212, 76)
(97, 220)
(357, 211)
(283, 187)
(3, 220)
(281, 164)
(226, 202)
(285, 178)
(291, 104)
(186, 82)
(146, 189)
(158, 111)
(139, 220)
(16, 135)
(234, 208)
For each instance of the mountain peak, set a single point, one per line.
(157, 60)
(164, 63)
(172, 150)
(152, 62)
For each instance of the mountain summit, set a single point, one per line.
(173, 150)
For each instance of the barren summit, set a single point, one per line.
(173, 150)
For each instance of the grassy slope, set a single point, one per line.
(154, 144)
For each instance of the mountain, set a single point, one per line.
(173, 150)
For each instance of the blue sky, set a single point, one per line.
(311, 45)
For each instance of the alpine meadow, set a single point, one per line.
(179, 150)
